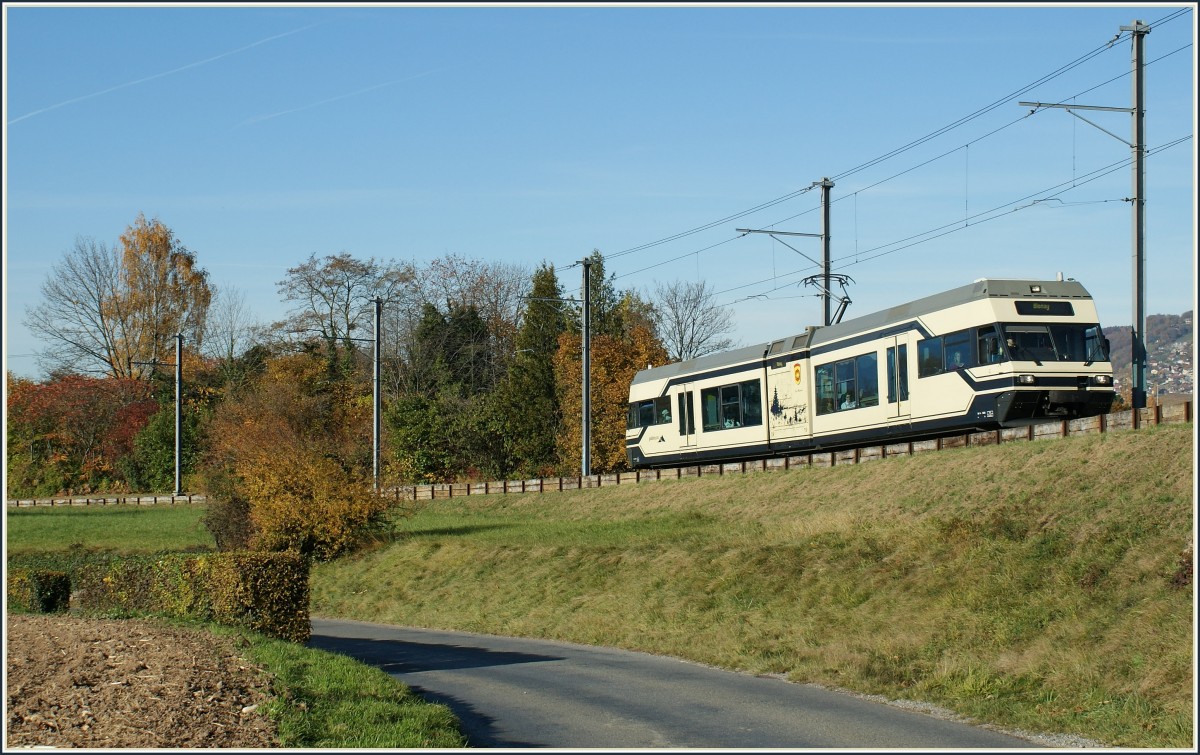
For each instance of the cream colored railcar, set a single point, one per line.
(996, 353)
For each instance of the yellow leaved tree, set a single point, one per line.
(615, 359)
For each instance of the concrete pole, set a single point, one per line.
(826, 185)
(1138, 393)
(586, 465)
(376, 399)
(178, 414)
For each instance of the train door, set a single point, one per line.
(899, 408)
(687, 417)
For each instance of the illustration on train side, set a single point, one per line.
(992, 354)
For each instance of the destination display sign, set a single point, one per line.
(1046, 308)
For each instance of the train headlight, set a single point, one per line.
(1026, 380)
(1101, 379)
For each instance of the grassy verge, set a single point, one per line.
(1043, 586)
(325, 700)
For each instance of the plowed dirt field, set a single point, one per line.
(98, 683)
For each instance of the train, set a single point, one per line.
(988, 355)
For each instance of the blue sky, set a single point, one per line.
(262, 135)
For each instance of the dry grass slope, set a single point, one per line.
(1042, 585)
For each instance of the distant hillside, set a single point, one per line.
(1169, 352)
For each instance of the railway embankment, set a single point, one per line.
(1179, 411)
(1044, 586)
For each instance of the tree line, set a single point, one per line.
(481, 379)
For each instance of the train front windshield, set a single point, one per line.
(1055, 343)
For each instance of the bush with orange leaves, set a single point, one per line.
(285, 465)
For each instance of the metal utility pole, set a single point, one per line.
(178, 414)
(586, 466)
(826, 274)
(1138, 146)
(375, 434)
(1139, 31)
(826, 185)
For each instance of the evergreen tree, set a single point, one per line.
(525, 412)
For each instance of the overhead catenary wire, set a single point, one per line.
(898, 151)
(957, 225)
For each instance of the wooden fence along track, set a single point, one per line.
(1126, 420)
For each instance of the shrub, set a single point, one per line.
(38, 590)
(267, 593)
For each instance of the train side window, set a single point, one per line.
(867, 370)
(751, 403)
(710, 405)
(731, 408)
(957, 349)
(826, 397)
(847, 395)
(930, 363)
(662, 410)
(897, 373)
(646, 414)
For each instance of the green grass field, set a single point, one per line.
(120, 529)
(1043, 586)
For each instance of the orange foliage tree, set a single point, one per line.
(290, 452)
(615, 360)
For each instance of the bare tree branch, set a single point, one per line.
(689, 321)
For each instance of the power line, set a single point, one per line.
(959, 225)
(900, 150)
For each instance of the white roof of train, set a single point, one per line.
(981, 289)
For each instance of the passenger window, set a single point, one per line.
(957, 349)
(731, 411)
(711, 408)
(930, 362)
(662, 410)
(867, 369)
(826, 399)
(847, 397)
(751, 403)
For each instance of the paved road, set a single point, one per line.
(519, 693)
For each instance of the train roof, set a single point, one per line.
(983, 288)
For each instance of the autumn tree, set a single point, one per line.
(163, 289)
(689, 321)
(615, 360)
(288, 460)
(113, 311)
(68, 434)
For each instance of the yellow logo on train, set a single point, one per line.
(796, 372)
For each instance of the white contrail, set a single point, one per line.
(260, 118)
(159, 75)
